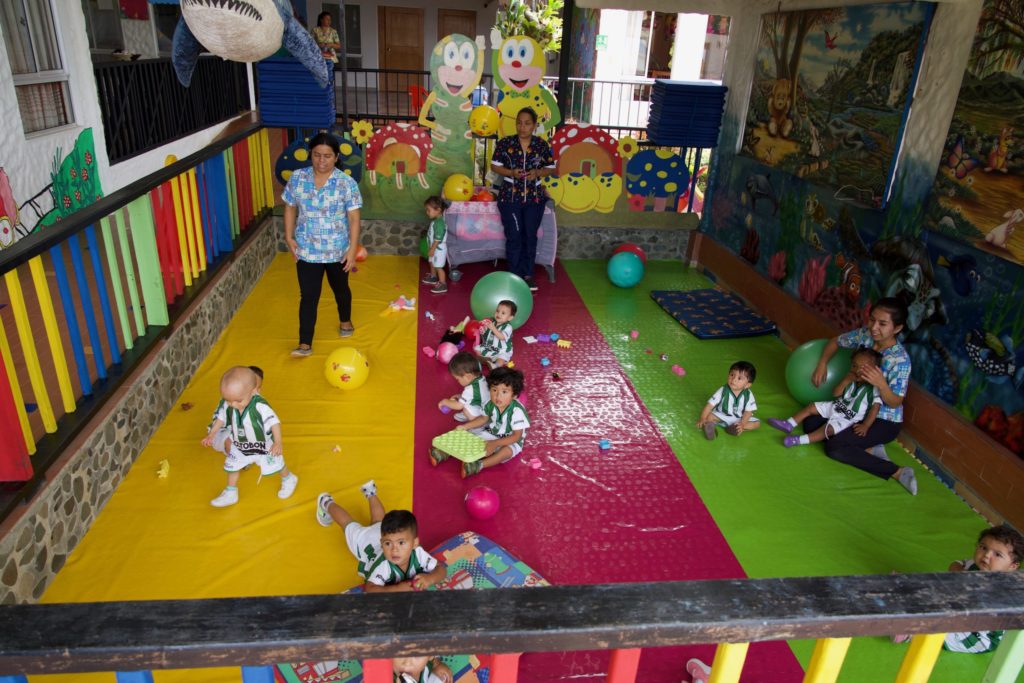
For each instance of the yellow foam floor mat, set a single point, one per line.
(159, 538)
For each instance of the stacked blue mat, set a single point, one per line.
(685, 114)
(712, 314)
(289, 96)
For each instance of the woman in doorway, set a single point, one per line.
(321, 227)
(326, 37)
(522, 160)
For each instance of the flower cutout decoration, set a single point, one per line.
(627, 147)
(636, 202)
(362, 131)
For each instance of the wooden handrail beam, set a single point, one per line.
(127, 636)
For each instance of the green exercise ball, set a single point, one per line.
(424, 247)
(497, 286)
(800, 367)
(625, 269)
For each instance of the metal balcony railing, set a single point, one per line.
(144, 106)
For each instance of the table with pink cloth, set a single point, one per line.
(475, 233)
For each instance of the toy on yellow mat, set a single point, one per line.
(461, 445)
(346, 368)
(164, 469)
(400, 304)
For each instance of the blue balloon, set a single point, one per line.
(625, 269)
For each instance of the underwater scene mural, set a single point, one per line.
(830, 94)
(965, 327)
(979, 187)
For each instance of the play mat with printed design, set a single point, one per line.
(474, 562)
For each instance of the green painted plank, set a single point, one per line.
(140, 215)
(129, 273)
(115, 281)
(229, 166)
(1008, 662)
(784, 512)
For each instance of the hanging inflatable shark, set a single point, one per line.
(242, 31)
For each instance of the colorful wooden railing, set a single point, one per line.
(83, 301)
(255, 633)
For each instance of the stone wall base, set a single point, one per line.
(36, 541)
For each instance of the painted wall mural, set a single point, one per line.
(830, 92)
(979, 189)
(74, 184)
(518, 66)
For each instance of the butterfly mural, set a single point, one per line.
(960, 161)
(830, 41)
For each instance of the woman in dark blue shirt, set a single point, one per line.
(522, 160)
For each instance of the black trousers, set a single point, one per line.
(849, 448)
(311, 280)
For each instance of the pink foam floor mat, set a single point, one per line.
(585, 515)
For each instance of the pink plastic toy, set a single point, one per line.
(482, 502)
(634, 334)
(679, 370)
(429, 352)
(445, 352)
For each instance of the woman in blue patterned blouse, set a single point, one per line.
(321, 227)
(522, 160)
(867, 452)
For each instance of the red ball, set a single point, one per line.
(633, 249)
(482, 502)
(473, 330)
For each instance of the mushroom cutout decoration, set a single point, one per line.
(589, 169)
(658, 173)
(583, 148)
(399, 149)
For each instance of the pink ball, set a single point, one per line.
(482, 502)
(445, 351)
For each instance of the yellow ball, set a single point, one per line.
(346, 368)
(458, 188)
(483, 121)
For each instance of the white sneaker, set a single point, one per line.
(461, 417)
(369, 489)
(906, 477)
(287, 486)
(228, 496)
(323, 502)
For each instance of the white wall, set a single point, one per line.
(27, 160)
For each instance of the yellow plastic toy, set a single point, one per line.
(346, 368)
(483, 121)
(458, 188)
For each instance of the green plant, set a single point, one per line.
(537, 19)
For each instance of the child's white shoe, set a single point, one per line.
(287, 486)
(698, 670)
(228, 496)
(369, 489)
(323, 502)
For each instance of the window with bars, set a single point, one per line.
(40, 81)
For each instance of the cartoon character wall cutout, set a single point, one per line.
(456, 64)
(518, 66)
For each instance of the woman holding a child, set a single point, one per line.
(892, 380)
(321, 228)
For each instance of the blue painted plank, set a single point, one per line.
(257, 674)
(134, 677)
(70, 319)
(85, 298)
(219, 203)
(101, 288)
